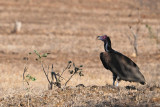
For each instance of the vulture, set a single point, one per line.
(122, 67)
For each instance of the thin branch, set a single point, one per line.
(135, 40)
(129, 38)
(45, 74)
(25, 69)
(134, 35)
(64, 70)
(75, 71)
(69, 78)
(48, 70)
(60, 76)
(53, 73)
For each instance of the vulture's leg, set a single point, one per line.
(114, 78)
(117, 83)
(118, 80)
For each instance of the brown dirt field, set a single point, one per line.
(68, 30)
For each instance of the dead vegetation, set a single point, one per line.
(88, 96)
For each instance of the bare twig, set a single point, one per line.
(69, 78)
(52, 73)
(60, 76)
(25, 70)
(135, 34)
(135, 41)
(64, 70)
(130, 40)
(52, 81)
(75, 71)
(45, 74)
(57, 83)
(48, 70)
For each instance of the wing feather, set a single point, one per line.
(121, 65)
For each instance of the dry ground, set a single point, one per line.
(68, 30)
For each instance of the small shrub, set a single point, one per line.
(56, 78)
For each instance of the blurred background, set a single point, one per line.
(67, 29)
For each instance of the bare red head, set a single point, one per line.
(104, 38)
(107, 42)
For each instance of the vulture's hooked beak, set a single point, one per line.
(99, 38)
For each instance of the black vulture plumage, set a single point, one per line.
(122, 67)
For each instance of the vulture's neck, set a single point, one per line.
(107, 47)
